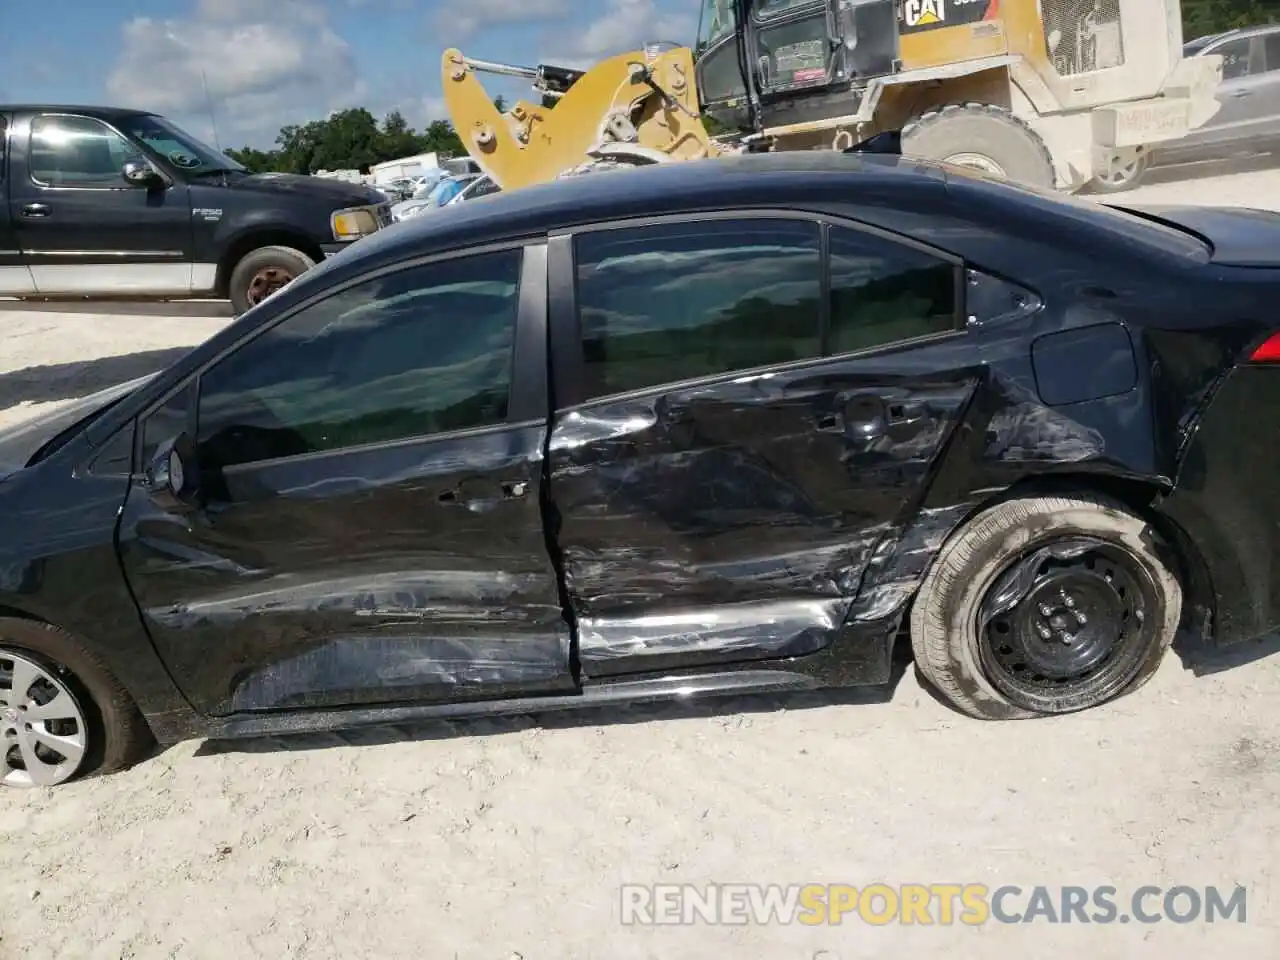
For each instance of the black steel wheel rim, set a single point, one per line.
(1067, 624)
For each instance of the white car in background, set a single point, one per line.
(1248, 121)
(443, 193)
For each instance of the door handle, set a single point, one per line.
(866, 430)
(35, 210)
(471, 491)
(1241, 93)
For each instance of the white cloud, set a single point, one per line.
(625, 25)
(465, 19)
(266, 65)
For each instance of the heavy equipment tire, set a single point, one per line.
(1081, 579)
(94, 712)
(262, 272)
(1125, 179)
(983, 136)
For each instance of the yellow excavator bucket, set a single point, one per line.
(639, 107)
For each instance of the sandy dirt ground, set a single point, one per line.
(510, 839)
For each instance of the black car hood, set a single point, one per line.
(337, 191)
(19, 442)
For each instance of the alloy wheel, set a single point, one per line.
(43, 731)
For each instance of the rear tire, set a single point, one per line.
(983, 136)
(262, 272)
(47, 662)
(1127, 178)
(995, 661)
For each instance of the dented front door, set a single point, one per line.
(369, 529)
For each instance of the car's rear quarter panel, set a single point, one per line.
(1107, 387)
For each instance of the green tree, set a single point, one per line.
(1203, 17)
(397, 139)
(352, 140)
(257, 161)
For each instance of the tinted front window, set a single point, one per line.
(77, 152)
(1235, 58)
(176, 145)
(419, 352)
(675, 302)
(883, 292)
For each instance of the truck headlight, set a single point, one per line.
(352, 224)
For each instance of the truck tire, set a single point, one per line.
(986, 137)
(262, 272)
(1045, 605)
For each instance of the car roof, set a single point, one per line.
(772, 179)
(87, 110)
(1256, 30)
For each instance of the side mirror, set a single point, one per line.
(141, 173)
(173, 471)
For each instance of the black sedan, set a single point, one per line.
(691, 429)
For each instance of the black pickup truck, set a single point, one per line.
(104, 202)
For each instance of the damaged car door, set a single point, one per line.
(367, 527)
(746, 404)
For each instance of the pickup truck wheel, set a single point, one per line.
(1045, 605)
(262, 272)
(63, 715)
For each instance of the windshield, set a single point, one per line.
(177, 146)
(429, 182)
(1192, 47)
(715, 22)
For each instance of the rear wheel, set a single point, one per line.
(1123, 177)
(1045, 605)
(983, 137)
(262, 272)
(63, 715)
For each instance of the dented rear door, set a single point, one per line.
(746, 405)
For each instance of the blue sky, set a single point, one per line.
(273, 62)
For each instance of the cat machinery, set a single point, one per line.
(1049, 93)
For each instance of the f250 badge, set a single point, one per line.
(212, 214)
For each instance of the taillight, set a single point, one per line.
(1268, 351)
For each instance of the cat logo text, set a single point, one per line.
(924, 13)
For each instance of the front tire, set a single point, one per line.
(984, 137)
(63, 714)
(262, 272)
(1045, 605)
